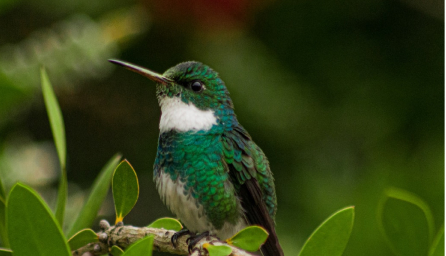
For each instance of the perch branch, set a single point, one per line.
(124, 236)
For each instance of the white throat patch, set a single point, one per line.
(177, 115)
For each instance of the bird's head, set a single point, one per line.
(190, 92)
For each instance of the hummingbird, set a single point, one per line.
(208, 170)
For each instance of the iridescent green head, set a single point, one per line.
(192, 81)
(192, 97)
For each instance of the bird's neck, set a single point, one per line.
(182, 117)
(176, 115)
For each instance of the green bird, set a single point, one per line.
(208, 170)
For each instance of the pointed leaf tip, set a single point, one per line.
(332, 236)
(55, 117)
(141, 247)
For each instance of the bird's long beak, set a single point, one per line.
(143, 71)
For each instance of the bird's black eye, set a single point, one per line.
(196, 86)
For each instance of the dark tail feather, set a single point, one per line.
(272, 247)
(257, 214)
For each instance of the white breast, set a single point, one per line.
(177, 115)
(186, 208)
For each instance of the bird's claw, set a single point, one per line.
(193, 240)
(177, 235)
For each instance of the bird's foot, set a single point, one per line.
(178, 235)
(194, 239)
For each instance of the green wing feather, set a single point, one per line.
(247, 161)
(252, 178)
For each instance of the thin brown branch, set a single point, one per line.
(124, 236)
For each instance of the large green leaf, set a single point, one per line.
(32, 228)
(82, 238)
(125, 189)
(98, 193)
(166, 223)
(249, 239)
(58, 129)
(437, 248)
(142, 247)
(406, 222)
(332, 236)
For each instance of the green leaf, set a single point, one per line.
(437, 248)
(249, 239)
(332, 236)
(58, 129)
(81, 238)
(32, 228)
(5, 252)
(97, 196)
(142, 247)
(116, 251)
(406, 222)
(55, 117)
(217, 250)
(3, 233)
(62, 195)
(2, 191)
(166, 223)
(125, 189)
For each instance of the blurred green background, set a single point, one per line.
(345, 98)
